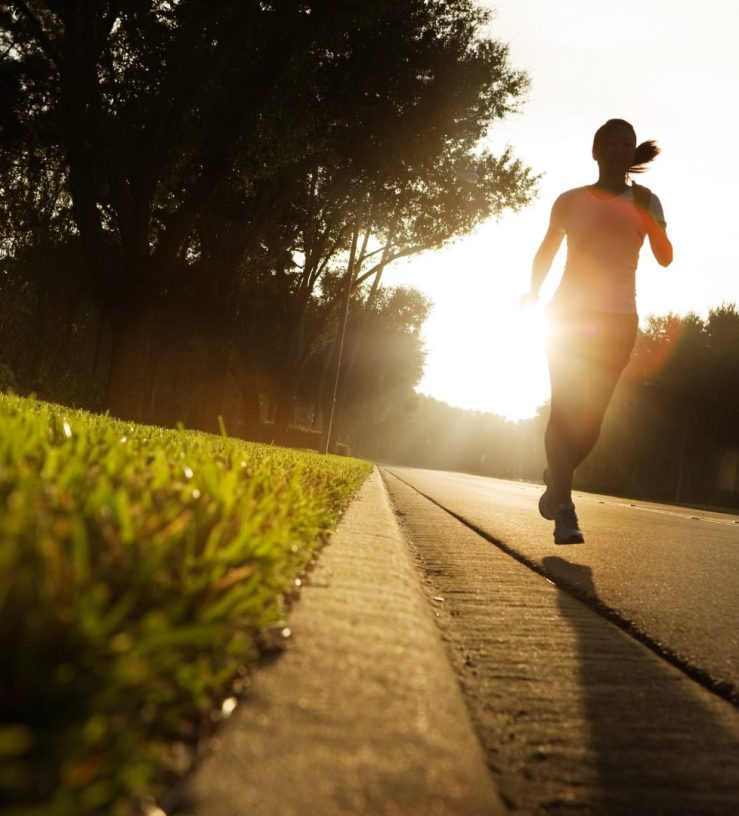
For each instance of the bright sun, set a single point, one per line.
(484, 353)
(493, 360)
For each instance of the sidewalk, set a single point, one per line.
(362, 715)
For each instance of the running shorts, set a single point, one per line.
(601, 339)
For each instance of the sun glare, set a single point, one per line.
(493, 362)
(484, 352)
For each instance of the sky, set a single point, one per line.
(671, 68)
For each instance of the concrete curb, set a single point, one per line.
(363, 713)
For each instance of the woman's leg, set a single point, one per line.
(587, 353)
(562, 441)
(586, 357)
(599, 385)
(611, 348)
(560, 456)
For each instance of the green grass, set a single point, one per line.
(138, 566)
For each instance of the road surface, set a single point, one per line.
(578, 715)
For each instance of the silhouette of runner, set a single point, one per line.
(592, 316)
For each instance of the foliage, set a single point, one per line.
(138, 567)
(209, 168)
(676, 415)
(383, 361)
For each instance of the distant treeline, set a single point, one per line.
(189, 191)
(671, 433)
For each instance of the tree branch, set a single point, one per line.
(40, 35)
(403, 253)
(330, 254)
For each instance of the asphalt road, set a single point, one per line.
(671, 573)
(577, 716)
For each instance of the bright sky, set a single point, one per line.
(670, 67)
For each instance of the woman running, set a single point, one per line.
(592, 316)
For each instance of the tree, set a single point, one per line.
(202, 149)
(383, 362)
(383, 185)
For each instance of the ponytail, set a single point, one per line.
(644, 153)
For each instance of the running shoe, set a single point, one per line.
(566, 526)
(546, 501)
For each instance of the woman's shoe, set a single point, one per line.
(566, 526)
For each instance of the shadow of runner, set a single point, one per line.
(662, 743)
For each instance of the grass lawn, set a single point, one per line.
(138, 567)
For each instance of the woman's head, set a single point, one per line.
(615, 143)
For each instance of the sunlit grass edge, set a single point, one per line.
(138, 566)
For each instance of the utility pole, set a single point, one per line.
(342, 332)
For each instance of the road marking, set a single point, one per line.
(585, 497)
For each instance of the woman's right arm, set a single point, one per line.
(545, 254)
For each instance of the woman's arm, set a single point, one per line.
(545, 254)
(656, 232)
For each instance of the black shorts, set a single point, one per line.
(600, 339)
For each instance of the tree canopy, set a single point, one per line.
(211, 167)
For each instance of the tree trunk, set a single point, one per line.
(129, 384)
(284, 407)
(248, 424)
(213, 384)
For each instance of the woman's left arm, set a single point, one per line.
(656, 232)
